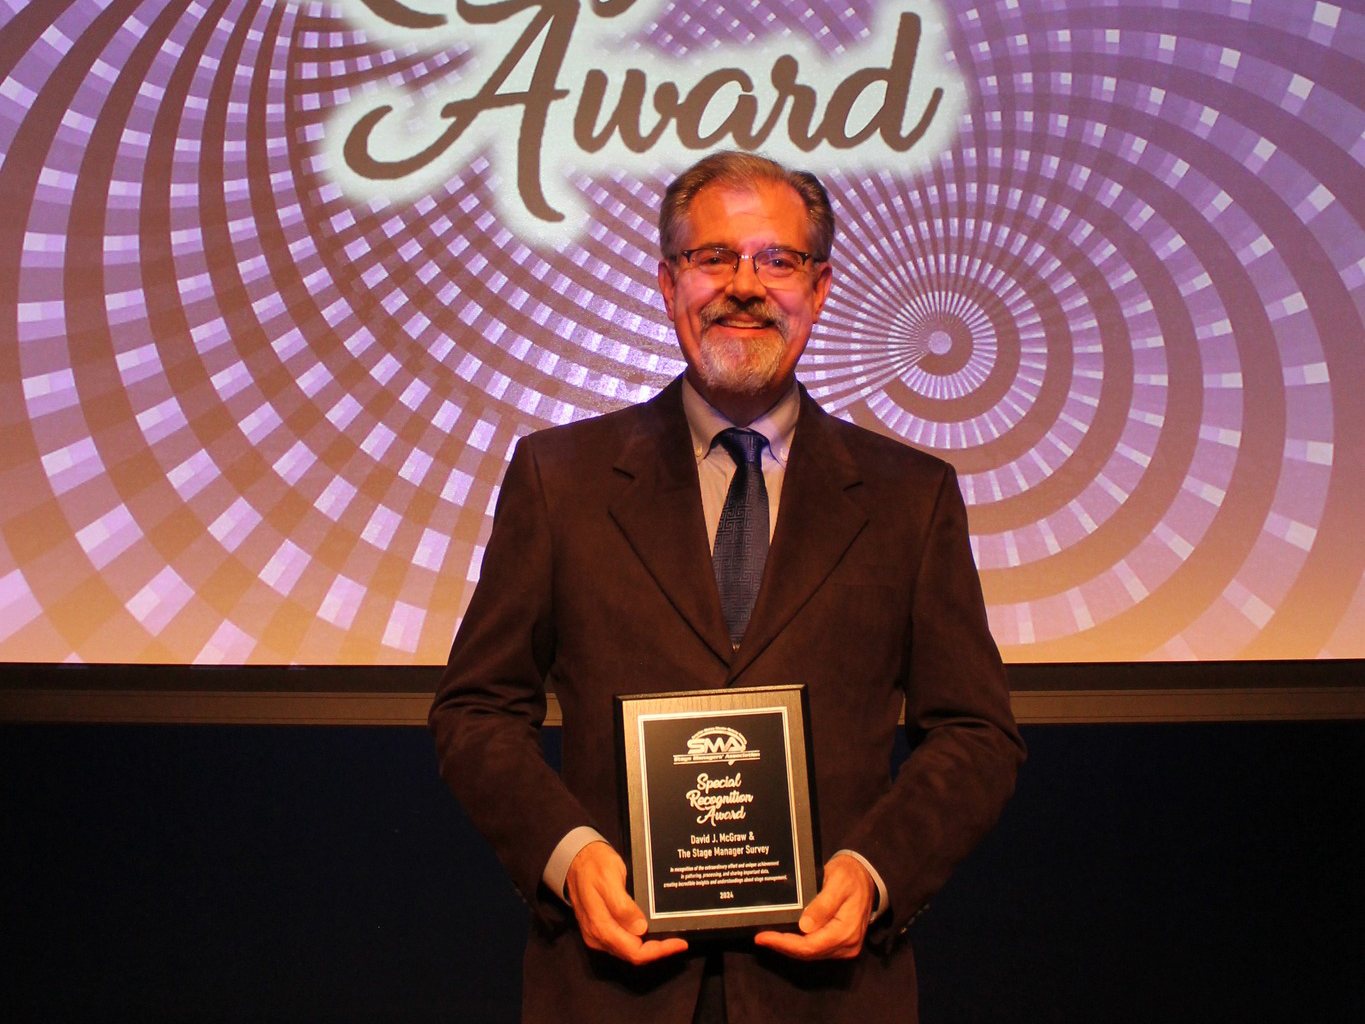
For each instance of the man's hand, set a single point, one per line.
(833, 926)
(608, 918)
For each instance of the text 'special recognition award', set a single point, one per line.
(720, 819)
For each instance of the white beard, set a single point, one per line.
(741, 366)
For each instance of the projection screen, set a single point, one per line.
(283, 283)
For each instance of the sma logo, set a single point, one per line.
(714, 744)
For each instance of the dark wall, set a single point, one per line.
(1197, 872)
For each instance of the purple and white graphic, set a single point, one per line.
(252, 412)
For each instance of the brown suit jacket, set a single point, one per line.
(597, 580)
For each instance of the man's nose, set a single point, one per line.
(745, 281)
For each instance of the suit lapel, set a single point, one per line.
(817, 521)
(659, 511)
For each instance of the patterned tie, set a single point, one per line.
(742, 535)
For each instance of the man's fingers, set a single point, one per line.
(609, 919)
(835, 922)
(833, 942)
(838, 939)
(604, 932)
(603, 929)
(657, 949)
(624, 910)
(820, 911)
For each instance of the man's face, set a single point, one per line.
(741, 338)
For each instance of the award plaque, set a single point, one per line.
(718, 807)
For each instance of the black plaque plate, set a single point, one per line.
(718, 804)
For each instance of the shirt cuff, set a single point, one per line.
(881, 902)
(557, 869)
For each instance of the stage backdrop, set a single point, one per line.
(282, 283)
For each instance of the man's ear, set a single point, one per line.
(666, 286)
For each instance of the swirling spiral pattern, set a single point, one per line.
(248, 419)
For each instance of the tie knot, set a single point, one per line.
(744, 446)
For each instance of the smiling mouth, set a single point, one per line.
(748, 318)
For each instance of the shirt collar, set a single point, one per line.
(705, 421)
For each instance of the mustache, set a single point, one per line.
(755, 308)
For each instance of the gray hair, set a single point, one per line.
(745, 170)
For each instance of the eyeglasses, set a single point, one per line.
(773, 266)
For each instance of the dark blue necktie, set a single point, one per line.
(742, 535)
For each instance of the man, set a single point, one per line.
(599, 580)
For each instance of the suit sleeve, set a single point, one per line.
(491, 704)
(965, 748)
